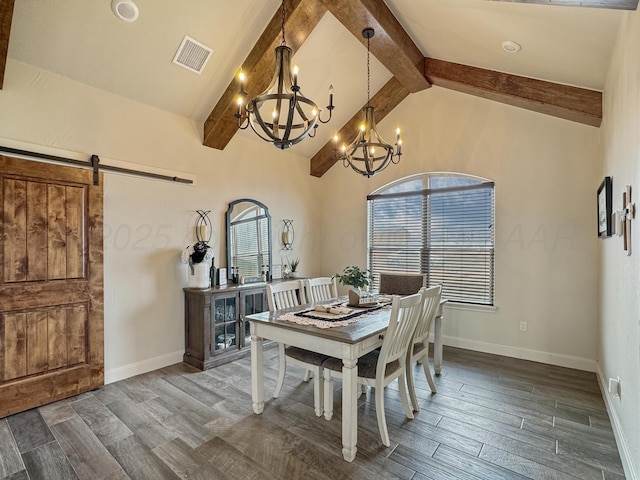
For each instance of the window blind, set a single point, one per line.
(446, 233)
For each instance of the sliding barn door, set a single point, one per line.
(51, 286)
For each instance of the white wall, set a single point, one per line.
(619, 331)
(546, 171)
(149, 222)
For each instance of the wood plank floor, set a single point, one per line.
(492, 418)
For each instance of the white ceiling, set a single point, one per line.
(83, 40)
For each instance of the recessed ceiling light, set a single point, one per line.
(510, 46)
(125, 10)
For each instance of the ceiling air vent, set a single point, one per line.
(192, 55)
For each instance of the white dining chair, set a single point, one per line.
(321, 288)
(419, 349)
(285, 295)
(379, 368)
(401, 283)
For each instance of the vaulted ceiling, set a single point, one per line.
(451, 44)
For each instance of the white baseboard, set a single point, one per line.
(133, 369)
(623, 448)
(567, 361)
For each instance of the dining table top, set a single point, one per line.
(371, 323)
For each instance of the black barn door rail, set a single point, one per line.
(94, 164)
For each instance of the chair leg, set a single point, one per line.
(411, 387)
(382, 419)
(328, 394)
(307, 375)
(283, 365)
(427, 373)
(402, 386)
(318, 383)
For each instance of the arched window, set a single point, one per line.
(439, 224)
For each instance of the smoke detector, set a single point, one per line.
(125, 10)
(510, 46)
(192, 55)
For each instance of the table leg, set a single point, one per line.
(257, 372)
(437, 343)
(349, 409)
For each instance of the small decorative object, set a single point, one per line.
(605, 197)
(294, 267)
(222, 277)
(356, 278)
(286, 271)
(628, 214)
(203, 227)
(288, 235)
(276, 272)
(198, 256)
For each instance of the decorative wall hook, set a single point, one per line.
(628, 214)
(203, 226)
(288, 235)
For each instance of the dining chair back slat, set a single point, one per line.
(285, 295)
(430, 306)
(321, 288)
(405, 313)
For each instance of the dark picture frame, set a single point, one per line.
(605, 200)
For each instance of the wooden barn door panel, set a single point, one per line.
(51, 284)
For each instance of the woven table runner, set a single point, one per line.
(329, 320)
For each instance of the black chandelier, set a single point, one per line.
(281, 115)
(369, 154)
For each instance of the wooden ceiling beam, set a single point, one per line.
(613, 4)
(302, 16)
(6, 15)
(387, 98)
(571, 103)
(391, 45)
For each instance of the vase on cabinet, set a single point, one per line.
(199, 275)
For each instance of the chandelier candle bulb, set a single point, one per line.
(295, 76)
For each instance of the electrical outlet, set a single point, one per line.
(614, 386)
(523, 326)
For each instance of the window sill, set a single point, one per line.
(473, 308)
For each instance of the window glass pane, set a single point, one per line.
(447, 234)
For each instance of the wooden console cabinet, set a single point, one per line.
(215, 329)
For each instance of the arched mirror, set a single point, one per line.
(248, 239)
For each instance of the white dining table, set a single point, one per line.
(348, 343)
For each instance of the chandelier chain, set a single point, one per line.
(284, 42)
(368, 72)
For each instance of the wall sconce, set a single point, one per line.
(288, 235)
(203, 226)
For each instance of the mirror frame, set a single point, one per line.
(230, 224)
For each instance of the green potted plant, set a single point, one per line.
(357, 278)
(294, 267)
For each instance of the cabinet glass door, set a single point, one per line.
(252, 302)
(224, 323)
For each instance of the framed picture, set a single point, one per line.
(276, 272)
(222, 277)
(605, 199)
